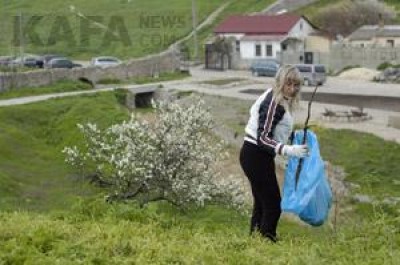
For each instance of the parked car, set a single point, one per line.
(266, 68)
(62, 63)
(5, 60)
(105, 61)
(28, 61)
(313, 74)
(42, 61)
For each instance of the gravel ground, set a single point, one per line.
(359, 74)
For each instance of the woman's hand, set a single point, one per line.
(295, 150)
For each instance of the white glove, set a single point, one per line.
(295, 150)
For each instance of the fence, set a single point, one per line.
(341, 56)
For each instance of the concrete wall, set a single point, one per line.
(380, 42)
(317, 43)
(147, 66)
(340, 57)
(394, 121)
(248, 49)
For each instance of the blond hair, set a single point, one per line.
(285, 73)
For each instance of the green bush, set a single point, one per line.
(385, 65)
(121, 95)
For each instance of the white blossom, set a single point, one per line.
(174, 156)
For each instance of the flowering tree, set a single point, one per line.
(171, 158)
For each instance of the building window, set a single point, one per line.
(258, 50)
(362, 45)
(268, 50)
(301, 25)
(238, 45)
(390, 43)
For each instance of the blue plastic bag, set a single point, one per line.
(312, 198)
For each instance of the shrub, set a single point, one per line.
(172, 158)
(385, 65)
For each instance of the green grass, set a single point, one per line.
(311, 10)
(33, 174)
(133, 38)
(385, 65)
(34, 177)
(109, 81)
(97, 233)
(168, 76)
(368, 160)
(16, 69)
(59, 87)
(396, 5)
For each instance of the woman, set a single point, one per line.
(267, 131)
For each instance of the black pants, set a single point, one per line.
(259, 168)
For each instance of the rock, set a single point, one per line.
(359, 74)
(391, 200)
(390, 74)
(362, 198)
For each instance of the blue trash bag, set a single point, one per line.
(312, 198)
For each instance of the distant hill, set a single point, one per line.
(82, 29)
(62, 27)
(311, 11)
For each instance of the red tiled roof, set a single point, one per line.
(259, 24)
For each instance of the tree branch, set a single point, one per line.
(125, 196)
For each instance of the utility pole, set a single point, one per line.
(21, 39)
(194, 22)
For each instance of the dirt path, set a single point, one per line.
(288, 5)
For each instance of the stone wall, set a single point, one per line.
(342, 56)
(147, 66)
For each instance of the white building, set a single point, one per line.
(264, 36)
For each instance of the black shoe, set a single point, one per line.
(274, 239)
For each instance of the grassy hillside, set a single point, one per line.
(150, 25)
(236, 7)
(33, 174)
(58, 87)
(311, 10)
(34, 177)
(396, 5)
(97, 233)
(369, 160)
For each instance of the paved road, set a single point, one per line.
(334, 84)
(377, 126)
